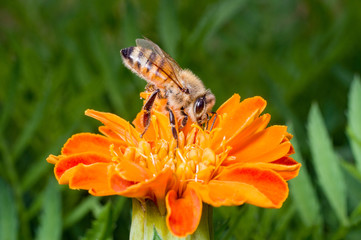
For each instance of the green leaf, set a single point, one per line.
(33, 123)
(130, 29)
(8, 102)
(34, 173)
(303, 193)
(283, 222)
(102, 226)
(8, 215)
(351, 170)
(353, 181)
(355, 217)
(80, 211)
(238, 219)
(111, 84)
(354, 120)
(214, 18)
(156, 235)
(118, 205)
(51, 220)
(169, 29)
(326, 164)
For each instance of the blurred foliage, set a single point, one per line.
(59, 58)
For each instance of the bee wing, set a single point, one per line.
(171, 67)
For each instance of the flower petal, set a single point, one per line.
(87, 142)
(262, 187)
(259, 144)
(228, 106)
(108, 132)
(237, 117)
(240, 135)
(183, 213)
(239, 113)
(71, 161)
(154, 188)
(221, 193)
(138, 122)
(118, 184)
(278, 152)
(287, 167)
(125, 131)
(132, 171)
(159, 126)
(91, 177)
(52, 159)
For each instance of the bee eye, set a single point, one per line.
(199, 105)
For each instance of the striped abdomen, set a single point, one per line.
(148, 65)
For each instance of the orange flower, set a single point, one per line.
(240, 160)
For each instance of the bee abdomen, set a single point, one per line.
(146, 63)
(127, 52)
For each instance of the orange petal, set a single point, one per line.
(259, 124)
(184, 213)
(291, 151)
(71, 161)
(238, 118)
(52, 159)
(228, 106)
(108, 132)
(262, 187)
(286, 167)
(87, 142)
(164, 128)
(278, 152)
(133, 172)
(119, 184)
(221, 193)
(138, 122)
(159, 126)
(91, 177)
(240, 114)
(153, 188)
(125, 131)
(258, 144)
(242, 134)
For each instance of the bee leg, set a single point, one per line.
(208, 118)
(172, 124)
(184, 120)
(147, 111)
(214, 120)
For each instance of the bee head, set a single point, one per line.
(203, 105)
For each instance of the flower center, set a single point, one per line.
(192, 160)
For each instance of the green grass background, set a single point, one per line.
(59, 58)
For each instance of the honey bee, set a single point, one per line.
(187, 98)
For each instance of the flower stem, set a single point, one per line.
(149, 223)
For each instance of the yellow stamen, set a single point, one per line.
(179, 155)
(209, 156)
(129, 154)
